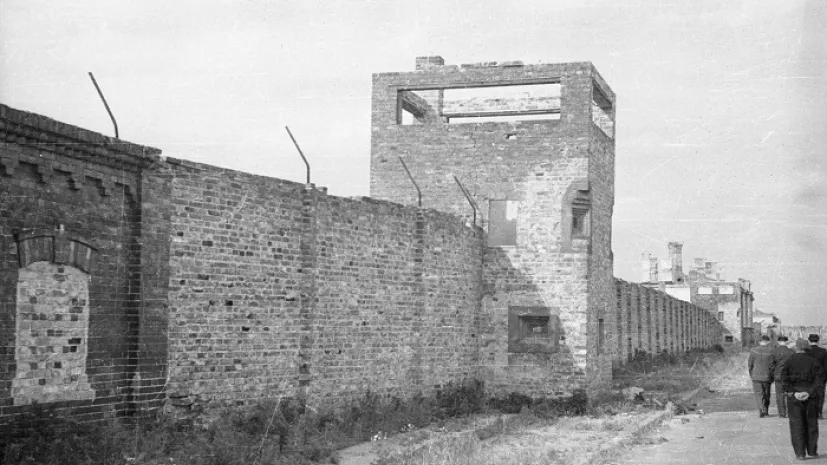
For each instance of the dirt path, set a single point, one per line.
(729, 432)
(569, 441)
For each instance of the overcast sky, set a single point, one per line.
(721, 119)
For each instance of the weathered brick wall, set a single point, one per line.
(70, 268)
(665, 323)
(601, 288)
(128, 282)
(235, 292)
(278, 290)
(398, 300)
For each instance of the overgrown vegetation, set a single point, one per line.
(665, 375)
(284, 431)
(273, 433)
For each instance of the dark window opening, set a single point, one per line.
(580, 207)
(532, 330)
(579, 221)
(601, 336)
(728, 339)
(532, 327)
(502, 223)
(720, 316)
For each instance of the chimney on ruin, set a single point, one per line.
(423, 63)
(653, 269)
(676, 256)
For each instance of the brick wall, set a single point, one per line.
(128, 282)
(278, 289)
(70, 267)
(653, 322)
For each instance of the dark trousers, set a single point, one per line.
(803, 425)
(780, 399)
(820, 399)
(761, 389)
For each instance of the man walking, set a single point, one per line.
(781, 353)
(802, 376)
(820, 354)
(761, 365)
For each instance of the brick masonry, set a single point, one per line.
(52, 332)
(208, 288)
(537, 165)
(651, 322)
(279, 289)
(70, 273)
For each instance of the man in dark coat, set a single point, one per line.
(820, 354)
(761, 365)
(781, 352)
(802, 376)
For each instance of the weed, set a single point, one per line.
(459, 400)
(512, 403)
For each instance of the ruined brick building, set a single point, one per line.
(732, 302)
(130, 282)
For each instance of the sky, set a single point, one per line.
(721, 125)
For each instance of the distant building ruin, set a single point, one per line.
(705, 286)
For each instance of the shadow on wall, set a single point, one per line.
(530, 336)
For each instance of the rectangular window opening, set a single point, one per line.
(532, 330)
(579, 222)
(534, 327)
(580, 218)
(418, 107)
(728, 339)
(720, 316)
(601, 336)
(502, 223)
(538, 102)
(602, 111)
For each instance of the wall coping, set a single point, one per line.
(26, 128)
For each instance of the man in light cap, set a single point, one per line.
(802, 376)
(761, 365)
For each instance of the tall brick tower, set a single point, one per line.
(534, 146)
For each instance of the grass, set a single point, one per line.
(569, 437)
(463, 426)
(274, 433)
(667, 375)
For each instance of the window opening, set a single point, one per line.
(418, 106)
(482, 104)
(532, 329)
(580, 206)
(602, 111)
(720, 316)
